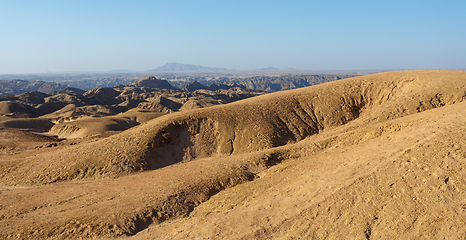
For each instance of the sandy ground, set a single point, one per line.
(373, 157)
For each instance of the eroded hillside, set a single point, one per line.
(375, 156)
(77, 114)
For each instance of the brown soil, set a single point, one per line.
(370, 157)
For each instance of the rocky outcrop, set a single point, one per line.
(153, 82)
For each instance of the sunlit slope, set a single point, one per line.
(88, 126)
(250, 125)
(400, 179)
(385, 160)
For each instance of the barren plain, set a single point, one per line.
(381, 156)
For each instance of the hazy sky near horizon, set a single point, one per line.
(56, 36)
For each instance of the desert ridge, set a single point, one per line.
(369, 156)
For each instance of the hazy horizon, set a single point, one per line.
(103, 36)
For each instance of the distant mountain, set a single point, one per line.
(13, 87)
(268, 69)
(180, 67)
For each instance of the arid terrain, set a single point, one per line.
(381, 156)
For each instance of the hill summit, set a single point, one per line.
(152, 82)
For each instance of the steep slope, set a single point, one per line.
(402, 179)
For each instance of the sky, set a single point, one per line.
(57, 36)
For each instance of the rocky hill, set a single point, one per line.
(145, 98)
(287, 82)
(379, 156)
(12, 87)
(152, 82)
(263, 81)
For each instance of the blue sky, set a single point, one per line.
(55, 36)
